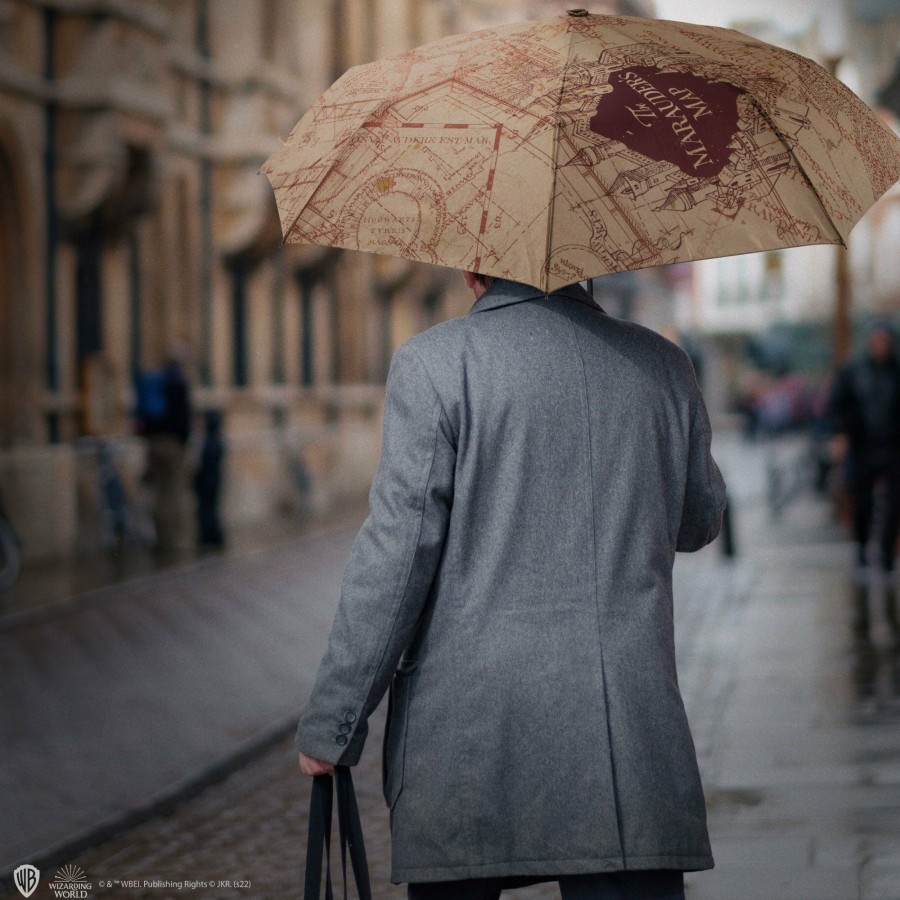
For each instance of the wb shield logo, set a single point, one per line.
(26, 878)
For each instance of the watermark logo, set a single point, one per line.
(26, 878)
(70, 882)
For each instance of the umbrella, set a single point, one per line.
(553, 151)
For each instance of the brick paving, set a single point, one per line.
(252, 827)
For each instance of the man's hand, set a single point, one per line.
(312, 767)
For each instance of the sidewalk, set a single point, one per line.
(803, 778)
(797, 728)
(138, 691)
(41, 591)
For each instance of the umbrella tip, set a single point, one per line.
(577, 12)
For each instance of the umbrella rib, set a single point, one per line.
(545, 275)
(790, 148)
(338, 152)
(332, 165)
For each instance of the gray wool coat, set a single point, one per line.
(541, 464)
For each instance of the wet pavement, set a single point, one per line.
(138, 691)
(43, 590)
(794, 712)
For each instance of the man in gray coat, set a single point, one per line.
(542, 462)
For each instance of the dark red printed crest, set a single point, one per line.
(677, 117)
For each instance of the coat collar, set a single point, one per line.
(505, 293)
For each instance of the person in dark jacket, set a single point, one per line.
(865, 412)
(208, 482)
(166, 423)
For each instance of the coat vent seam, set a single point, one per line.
(590, 461)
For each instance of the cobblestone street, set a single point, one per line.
(251, 827)
(797, 731)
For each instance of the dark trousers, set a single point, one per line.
(658, 884)
(209, 525)
(863, 478)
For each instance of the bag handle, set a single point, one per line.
(350, 835)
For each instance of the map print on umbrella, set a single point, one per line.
(553, 151)
(737, 176)
(674, 116)
(411, 181)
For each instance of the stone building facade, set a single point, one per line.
(134, 225)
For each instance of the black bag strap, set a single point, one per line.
(319, 836)
(351, 835)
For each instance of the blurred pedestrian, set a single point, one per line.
(541, 464)
(865, 412)
(208, 482)
(164, 418)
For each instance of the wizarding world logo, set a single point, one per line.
(26, 878)
(70, 882)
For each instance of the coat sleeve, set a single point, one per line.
(704, 495)
(391, 566)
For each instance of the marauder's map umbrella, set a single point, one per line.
(553, 151)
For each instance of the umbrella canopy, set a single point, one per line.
(553, 151)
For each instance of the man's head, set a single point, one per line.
(881, 341)
(477, 283)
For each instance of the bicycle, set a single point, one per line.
(120, 520)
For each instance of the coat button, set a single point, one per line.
(349, 716)
(344, 728)
(341, 739)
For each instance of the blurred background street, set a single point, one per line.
(190, 419)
